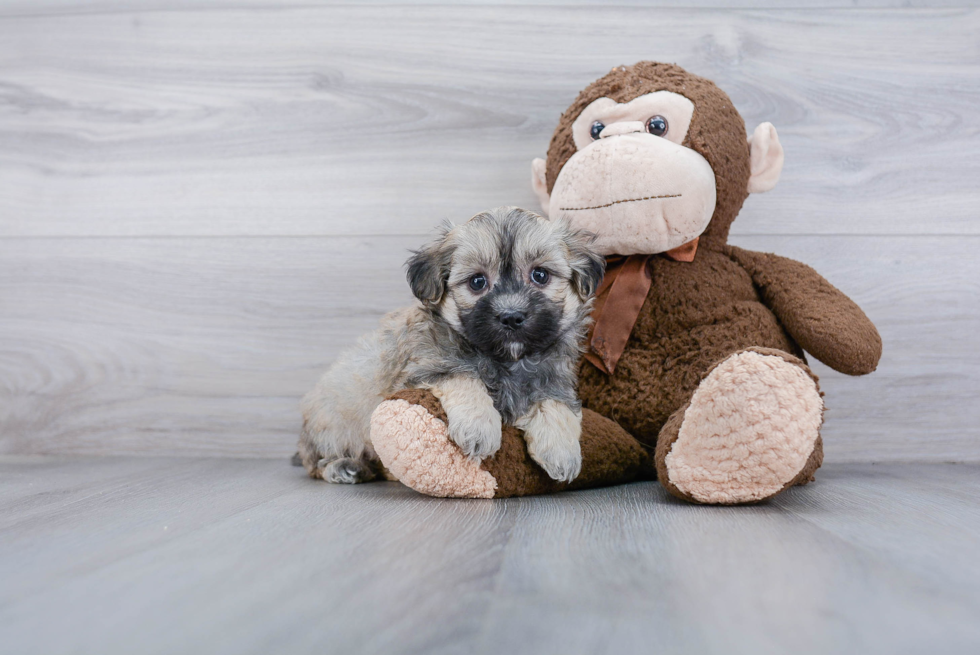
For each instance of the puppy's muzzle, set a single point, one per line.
(512, 319)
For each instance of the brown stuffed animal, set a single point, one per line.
(696, 353)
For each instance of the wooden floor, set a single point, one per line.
(249, 556)
(201, 203)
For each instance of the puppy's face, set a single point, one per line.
(508, 280)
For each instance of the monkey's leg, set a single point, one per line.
(750, 431)
(410, 436)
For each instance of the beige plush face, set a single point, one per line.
(631, 181)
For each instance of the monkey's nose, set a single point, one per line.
(512, 319)
(622, 127)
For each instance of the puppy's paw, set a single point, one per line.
(476, 430)
(552, 433)
(346, 470)
(561, 459)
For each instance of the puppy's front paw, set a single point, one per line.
(552, 433)
(477, 431)
(561, 459)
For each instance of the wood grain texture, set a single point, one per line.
(204, 345)
(201, 204)
(230, 556)
(374, 120)
(21, 8)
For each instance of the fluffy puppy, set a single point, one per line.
(503, 307)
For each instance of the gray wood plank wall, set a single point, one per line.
(200, 204)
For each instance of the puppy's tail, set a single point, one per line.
(296, 460)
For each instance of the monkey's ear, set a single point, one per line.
(428, 270)
(766, 158)
(588, 266)
(539, 183)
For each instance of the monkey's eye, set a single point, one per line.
(657, 126)
(540, 276)
(478, 282)
(596, 129)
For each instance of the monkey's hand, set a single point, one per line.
(473, 422)
(552, 431)
(825, 322)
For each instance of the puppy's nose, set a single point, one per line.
(512, 319)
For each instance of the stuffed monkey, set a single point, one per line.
(695, 370)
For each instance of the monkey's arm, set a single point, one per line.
(824, 321)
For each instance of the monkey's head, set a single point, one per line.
(650, 157)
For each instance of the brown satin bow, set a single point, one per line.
(618, 302)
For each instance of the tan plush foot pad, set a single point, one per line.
(409, 434)
(415, 447)
(750, 429)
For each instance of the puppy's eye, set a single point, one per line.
(657, 126)
(540, 276)
(596, 129)
(478, 282)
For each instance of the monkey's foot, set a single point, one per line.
(410, 436)
(751, 430)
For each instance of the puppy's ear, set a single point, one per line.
(428, 268)
(588, 266)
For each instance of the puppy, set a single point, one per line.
(504, 304)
